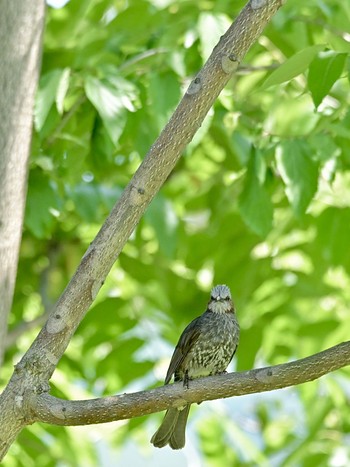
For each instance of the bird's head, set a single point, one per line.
(220, 300)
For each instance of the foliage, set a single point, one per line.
(260, 201)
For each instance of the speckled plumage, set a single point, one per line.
(205, 348)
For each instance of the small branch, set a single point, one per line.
(23, 327)
(245, 70)
(324, 25)
(142, 56)
(67, 116)
(48, 409)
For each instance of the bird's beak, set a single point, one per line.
(218, 299)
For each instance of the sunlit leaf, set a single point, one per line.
(325, 69)
(254, 202)
(299, 172)
(164, 95)
(162, 217)
(293, 66)
(43, 205)
(49, 87)
(210, 27)
(111, 102)
(62, 90)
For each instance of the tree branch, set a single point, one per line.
(49, 409)
(23, 327)
(152, 173)
(67, 116)
(37, 365)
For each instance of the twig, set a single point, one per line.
(23, 327)
(142, 56)
(67, 116)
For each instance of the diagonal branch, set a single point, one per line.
(152, 173)
(45, 408)
(37, 365)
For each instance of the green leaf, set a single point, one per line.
(291, 116)
(164, 91)
(111, 100)
(210, 27)
(332, 239)
(105, 312)
(62, 89)
(46, 95)
(254, 203)
(43, 205)
(323, 146)
(293, 66)
(324, 71)
(161, 216)
(87, 201)
(299, 173)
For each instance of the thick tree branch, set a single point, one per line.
(152, 173)
(48, 409)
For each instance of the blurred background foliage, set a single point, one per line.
(260, 201)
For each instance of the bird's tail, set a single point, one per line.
(172, 429)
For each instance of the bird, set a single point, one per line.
(206, 347)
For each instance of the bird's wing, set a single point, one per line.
(237, 331)
(233, 353)
(186, 341)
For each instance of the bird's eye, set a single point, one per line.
(227, 298)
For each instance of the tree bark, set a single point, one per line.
(21, 26)
(32, 373)
(49, 409)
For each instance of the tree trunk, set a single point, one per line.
(21, 27)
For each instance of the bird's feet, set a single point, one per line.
(186, 380)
